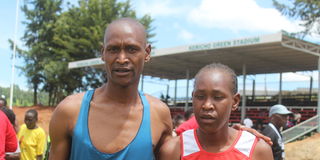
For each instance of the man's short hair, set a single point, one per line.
(34, 112)
(223, 68)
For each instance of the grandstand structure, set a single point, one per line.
(272, 53)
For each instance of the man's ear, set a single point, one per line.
(148, 52)
(102, 51)
(236, 101)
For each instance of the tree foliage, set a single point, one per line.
(308, 11)
(54, 38)
(22, 97)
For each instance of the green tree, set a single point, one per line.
(54, 38)
(41, 16)
(308, 11)
(22, 97)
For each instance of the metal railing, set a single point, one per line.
(300, 129)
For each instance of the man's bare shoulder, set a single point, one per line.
(262, 151)
(69, 107)
(71, 102)
(157, 105)
(66, 113)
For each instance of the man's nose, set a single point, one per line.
(122, 57)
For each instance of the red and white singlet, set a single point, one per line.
(241, 149)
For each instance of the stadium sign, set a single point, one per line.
(224, 44)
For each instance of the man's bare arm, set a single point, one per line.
(161, 123)
(170, 150)
(262, 151)
(254, 132)
(60, 128)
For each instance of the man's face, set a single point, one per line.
(213, 100)
(124, 54)
(30, 120)
(1, 103)
(282, 119)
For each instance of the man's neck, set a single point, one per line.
(119, 94)
(275, 125)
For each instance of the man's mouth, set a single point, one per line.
(121, 71)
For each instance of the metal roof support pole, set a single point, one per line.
(175, 92)
(318, 111)
(142, 78)
(167, 96)
(243, 108)
(254, 90)
(280, 89)
(310, 89)
(187, 92)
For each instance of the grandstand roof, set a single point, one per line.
(272, 53)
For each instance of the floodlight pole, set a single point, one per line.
(318, 109)
(14, 55)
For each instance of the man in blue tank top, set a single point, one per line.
(114, 121)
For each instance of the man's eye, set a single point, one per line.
(132, 49)
(113, 49)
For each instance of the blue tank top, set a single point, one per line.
(140, 148)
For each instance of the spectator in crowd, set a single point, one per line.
(32, 137)
(177, 121)
(259, 125)
(296, 118)
(8, 139)
(3, 102)
(190, 122)
(214, 97)
(278, 116)
(12, 118)
(248, 122)
(10, 114)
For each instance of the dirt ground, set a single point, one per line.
(307, 149)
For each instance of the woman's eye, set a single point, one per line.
(199, 96)
(218, 97)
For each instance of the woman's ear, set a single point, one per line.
(236, 101)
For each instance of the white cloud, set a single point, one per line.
(239, 15)
(185, 35)
(158, 8)
(295, 77)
